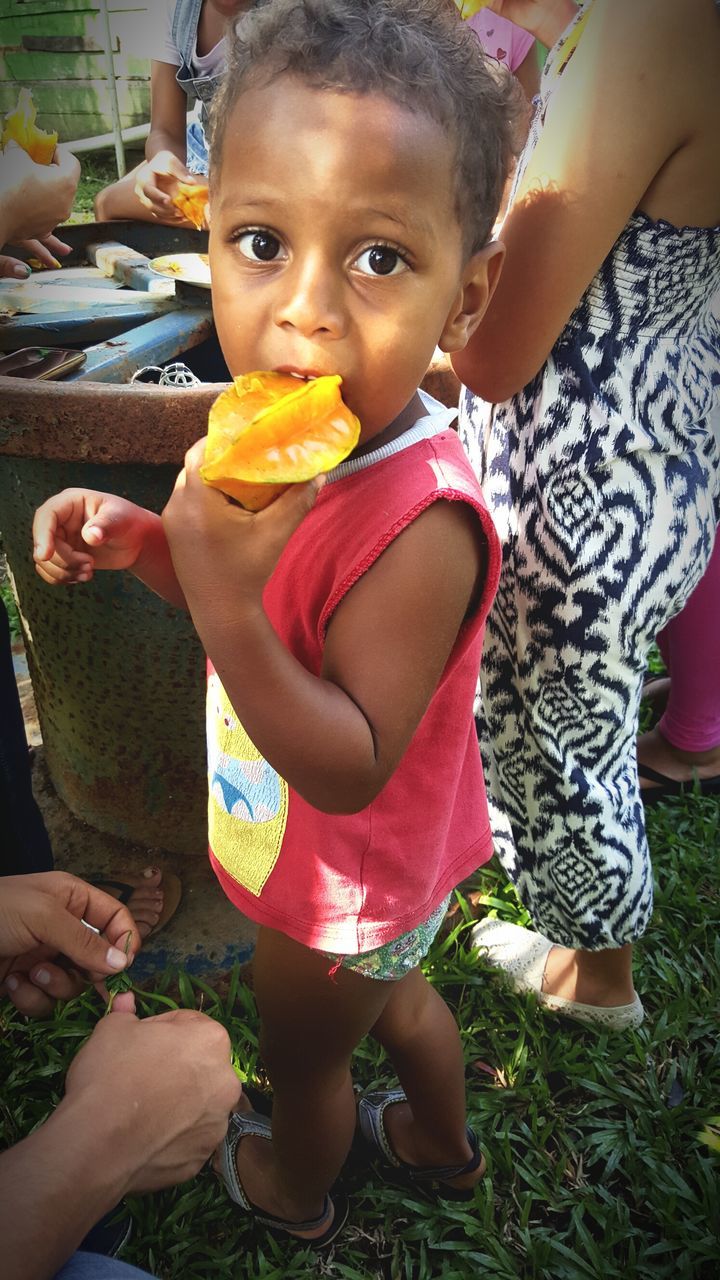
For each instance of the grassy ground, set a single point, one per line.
(98, 171)
(597, 1165)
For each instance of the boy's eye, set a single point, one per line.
(263, 246)
(381, 260)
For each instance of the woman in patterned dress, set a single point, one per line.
(591, 410)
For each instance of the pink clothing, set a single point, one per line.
(690, 646)
(501, 39)
(349, 883)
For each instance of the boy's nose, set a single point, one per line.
(310, 301)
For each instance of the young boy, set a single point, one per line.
(358, 154)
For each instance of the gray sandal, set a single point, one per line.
(371, 1113)
(242, 1124)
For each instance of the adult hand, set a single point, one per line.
(46, 250)
(160, 1089)
(544, 19)
(34, 198)
(40, 918)
(157, 182)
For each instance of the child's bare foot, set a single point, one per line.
(408, 1146)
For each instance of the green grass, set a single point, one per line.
(98, 171)
(596, 1166)
(8, 599)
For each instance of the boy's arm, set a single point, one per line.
(80, 530)
(336, 739)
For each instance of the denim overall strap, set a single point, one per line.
(184, 34)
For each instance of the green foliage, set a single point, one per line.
(8, 600)
(98, 171)
(598, 1161)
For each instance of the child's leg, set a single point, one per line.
(421, 1037)
(311, 1023)
(687, 737)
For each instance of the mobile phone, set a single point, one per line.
(41, 362)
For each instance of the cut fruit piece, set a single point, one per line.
(270, 430)
(192, 201)
(20, 127)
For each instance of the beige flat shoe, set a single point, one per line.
(522, 956)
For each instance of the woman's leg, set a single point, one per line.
(311, 1021)
(687, 738)
(421, 1038)
(598, 563)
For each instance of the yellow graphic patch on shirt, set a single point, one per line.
(248, 800)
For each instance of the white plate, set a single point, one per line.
(192, 268)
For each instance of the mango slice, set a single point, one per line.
(20, 127)
(270, 430)
(192, 200)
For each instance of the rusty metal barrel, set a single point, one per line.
(118, 674)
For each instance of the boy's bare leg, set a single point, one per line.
(420, 1035)
(311, 1023)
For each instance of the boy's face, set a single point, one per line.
(334, 244)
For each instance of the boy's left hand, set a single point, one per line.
(222, 553)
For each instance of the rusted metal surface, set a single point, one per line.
(98, 423)
(118, 675)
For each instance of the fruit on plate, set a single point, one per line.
(270, 430)
(192, 200)
(20, 127)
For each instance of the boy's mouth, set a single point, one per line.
(304, 375)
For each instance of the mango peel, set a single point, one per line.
(20, 127)
(271, 430)
(192, 201)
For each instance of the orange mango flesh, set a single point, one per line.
(191, 200)
(270, 430)
(20, 127)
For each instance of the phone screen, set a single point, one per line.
(41, 362)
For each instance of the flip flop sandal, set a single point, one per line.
(172, 893)
(522, 955)
(242, 1124)
(430, 1179)
(671, 787)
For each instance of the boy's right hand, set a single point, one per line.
(79, 530)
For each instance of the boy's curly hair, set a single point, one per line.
(416, 52)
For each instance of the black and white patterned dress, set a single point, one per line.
(603, 477)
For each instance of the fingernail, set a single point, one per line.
(116, 959)
(12, 983)
(22, 271)
(42, 976)
(37, 550)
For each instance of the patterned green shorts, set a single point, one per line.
(395, 959)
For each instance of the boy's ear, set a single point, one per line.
(477, 286)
